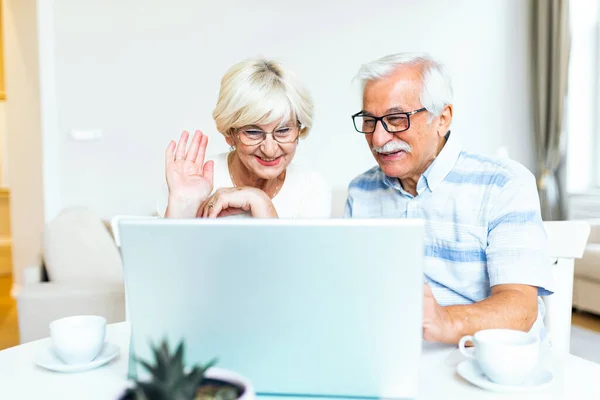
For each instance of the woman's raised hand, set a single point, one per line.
(189, 178)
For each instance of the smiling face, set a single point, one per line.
(268, 159)
(261, 95)
(404, 155)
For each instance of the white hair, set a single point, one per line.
(436, 92)
(259, 91)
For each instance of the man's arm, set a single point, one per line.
(517, 262)
(509, 307)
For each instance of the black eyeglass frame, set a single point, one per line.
(380, 119)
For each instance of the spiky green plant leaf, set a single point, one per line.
(170, 381)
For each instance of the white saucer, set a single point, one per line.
(469, 369)
(46, 358)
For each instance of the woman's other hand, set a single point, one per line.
(231, 201)
(189, 178)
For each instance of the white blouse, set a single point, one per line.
(304, 194)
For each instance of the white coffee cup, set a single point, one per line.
(78, 339)
(506, 356)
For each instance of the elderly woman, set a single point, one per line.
(262, 112)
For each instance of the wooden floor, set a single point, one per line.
(586, 320)
(9, 327)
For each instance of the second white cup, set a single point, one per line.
(78, 339)
(506, 356)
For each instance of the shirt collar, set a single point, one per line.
(437, 171)
(443, 163)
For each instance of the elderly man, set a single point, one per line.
(486, 257)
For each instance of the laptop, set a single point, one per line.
(315, 308)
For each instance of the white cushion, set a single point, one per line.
(78, 247)
(594, 231)
(589, 266)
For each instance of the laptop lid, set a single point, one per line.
(300, 307)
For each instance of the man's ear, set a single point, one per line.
(444, 120)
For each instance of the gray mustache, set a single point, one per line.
(393, 146)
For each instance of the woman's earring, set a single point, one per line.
(231, 148)
(298, 141)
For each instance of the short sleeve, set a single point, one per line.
(348, 207)
(517, 247)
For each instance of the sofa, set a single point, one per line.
(586, 284)
(80, 273)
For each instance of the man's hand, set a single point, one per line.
(437, 323)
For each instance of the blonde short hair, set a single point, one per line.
(259, 91)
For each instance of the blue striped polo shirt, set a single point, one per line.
(483, 225)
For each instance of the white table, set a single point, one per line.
(20, 378)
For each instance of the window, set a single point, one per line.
(583, 102)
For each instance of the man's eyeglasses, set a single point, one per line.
(252, 136)
(393, 123)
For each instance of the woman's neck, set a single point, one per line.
(242, 176)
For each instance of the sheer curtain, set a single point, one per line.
(551, 49)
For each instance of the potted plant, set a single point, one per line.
(171, 380)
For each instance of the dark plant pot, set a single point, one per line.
(217, 378)
(220, 377)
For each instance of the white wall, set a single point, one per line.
(50, 132)
(23, 133)
(144, 70)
